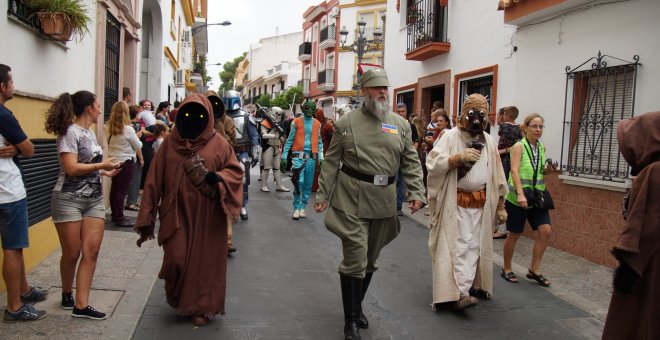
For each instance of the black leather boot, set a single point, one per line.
(364, 323)
(351, 294)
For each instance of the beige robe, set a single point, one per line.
(442, 184)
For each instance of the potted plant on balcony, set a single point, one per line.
(62, 19)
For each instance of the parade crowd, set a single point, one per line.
(193, 164)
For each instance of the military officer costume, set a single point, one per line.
(361, 163)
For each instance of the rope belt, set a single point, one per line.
(379, 180)
(474, 200)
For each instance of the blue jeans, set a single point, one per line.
(400, 190)
(14, 225)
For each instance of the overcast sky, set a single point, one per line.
(250, 20)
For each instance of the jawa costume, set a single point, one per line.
(370, 147)
(224, 126)
(194, 185)
(306, 147)
(466, 185)
(271, 155)
(634, 311)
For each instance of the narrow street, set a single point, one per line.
(283, 284)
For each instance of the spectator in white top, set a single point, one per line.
(125, 147)
(13, 211)
(148, 120)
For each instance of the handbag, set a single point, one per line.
(539, 199)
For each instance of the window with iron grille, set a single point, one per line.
(481, 84)
(111, 79)
(426, 22)
(597, 98)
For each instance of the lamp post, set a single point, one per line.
(194, 30)
(360, 46)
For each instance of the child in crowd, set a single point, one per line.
(160, 132)
(433, 124)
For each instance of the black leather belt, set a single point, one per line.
(380, 180)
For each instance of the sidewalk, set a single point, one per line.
(125, 287)
(123, 280)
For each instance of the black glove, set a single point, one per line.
(625, 278)
(212, 178)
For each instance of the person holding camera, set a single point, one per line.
(466, 186)
(527, 160)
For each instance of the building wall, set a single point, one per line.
(271, 51)
(42, 70)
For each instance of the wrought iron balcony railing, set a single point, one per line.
(305, 49)
(328, 33)
(426, 22)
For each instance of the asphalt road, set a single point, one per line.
(283, 284)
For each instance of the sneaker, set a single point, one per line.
(399, 212)
(88, 312)
(283, 189)
(35, 294)
(302, 213)
(125, 223)
(27, 312)
(296, 214)
(67, 301)
(264, 188)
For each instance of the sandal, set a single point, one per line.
(510, 276)
(538, 278)
(132, 207)
(499, 236)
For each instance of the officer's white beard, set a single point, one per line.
(377, 106)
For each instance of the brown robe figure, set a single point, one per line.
(194, 184)
(634, 311)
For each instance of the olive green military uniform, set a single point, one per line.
(363, 214)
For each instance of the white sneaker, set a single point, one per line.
(265, 189)
(296, 214)
(283, 189)
(302, 213)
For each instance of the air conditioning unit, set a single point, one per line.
(334, 12)
(179, 78)
(186, 36)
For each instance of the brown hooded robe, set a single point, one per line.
(193, 227)
(637, 315)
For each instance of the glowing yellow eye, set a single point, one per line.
(201, 116)
(187, 114)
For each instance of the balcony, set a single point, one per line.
(305, 51)
(427, 30)
(328, 37)
(326, 80)
(305, 87)
(525, 12)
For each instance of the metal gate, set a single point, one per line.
(597, 98)
(112, 46)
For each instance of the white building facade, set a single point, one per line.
(270, 64)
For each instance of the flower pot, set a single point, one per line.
(56, 26)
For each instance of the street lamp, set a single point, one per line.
(361, 45)
(194, 30)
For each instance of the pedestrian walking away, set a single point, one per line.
(372, 143)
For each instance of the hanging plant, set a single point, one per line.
(62, 19)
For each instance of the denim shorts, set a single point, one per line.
(65, 207)
(515, 222)
(14, 225)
